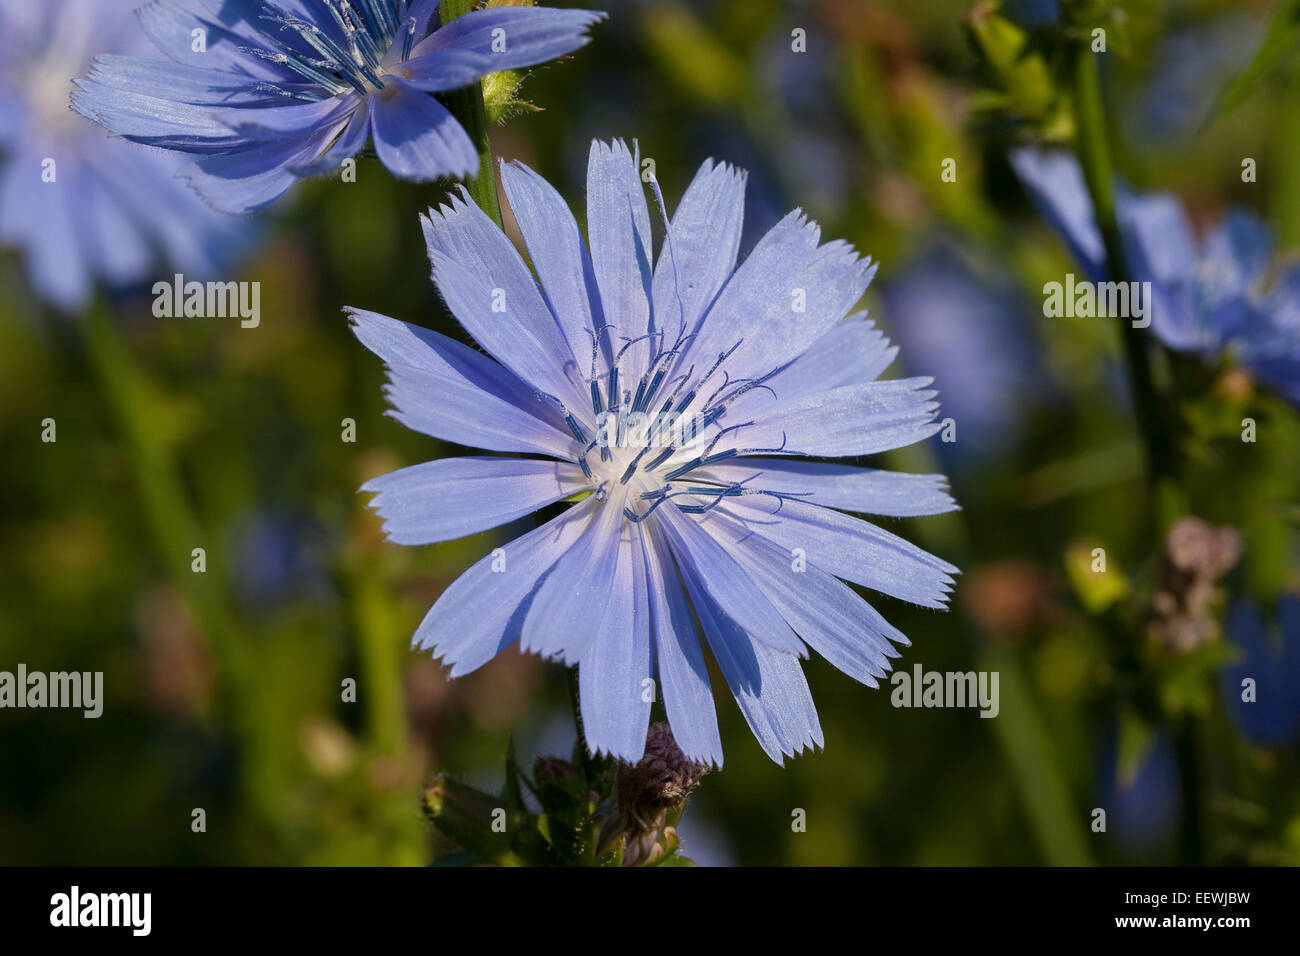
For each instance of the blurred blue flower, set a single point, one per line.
(970, 332)
(1211, 296)
(666, 399)
(1143, 807)
(1269, 656)
(278, 558)
(84, 209)
(1188, 71)
(265, 93)
(1034, 12)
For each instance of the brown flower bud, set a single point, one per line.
(660, 781)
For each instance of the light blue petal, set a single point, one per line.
(453, 497)
(1055, 183)
(197, 85)
(116, 243)
(559, 255)
(683, 673)
(493, 295)
(825, 612)
(152, 120)
(1160, 248)
(1158, 239)
(801, 308)
(1232, 269)
(502, 38)
(747, 297)
(787, 294)
(252, 178)
(483, 611)
(569, 607)
(714, 571)
(616, 671)
(850, 420)
(417, 138)
(170, 217)
(706, 230)
(288, 119)
(443, 388)
(849, 548)
(43, 219)
(768, 685)
(442, 70)
(170, 24)
(849, 488)
(423, 13)
(618, 229)
(853, 352)
(349, 143)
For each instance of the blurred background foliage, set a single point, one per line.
(223, 690)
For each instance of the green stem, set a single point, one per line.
(1094, 154)
(172, 523)
(1093, 146)
(467, 106)
(175, 529)
(575, 704)
(1027, 745)
(380, 649)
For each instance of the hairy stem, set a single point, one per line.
(467, 106)
(575, 703)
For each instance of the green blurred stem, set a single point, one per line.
(1094, 154)
(175, 529)
(467, 106)
(1027, 744)
(380, 652)
(1093, 147)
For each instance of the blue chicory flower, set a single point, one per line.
(265, 92)
(1189, 68)
(1210, 297)
(665, 399)
(81, 208)
(1270, 657)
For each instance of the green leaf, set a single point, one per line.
(676, 859)
(1136, 738)
(512, 793)
(1017, 72)
(1281, 36)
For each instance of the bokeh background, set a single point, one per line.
(223, 690)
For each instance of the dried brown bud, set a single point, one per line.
(660, 781)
